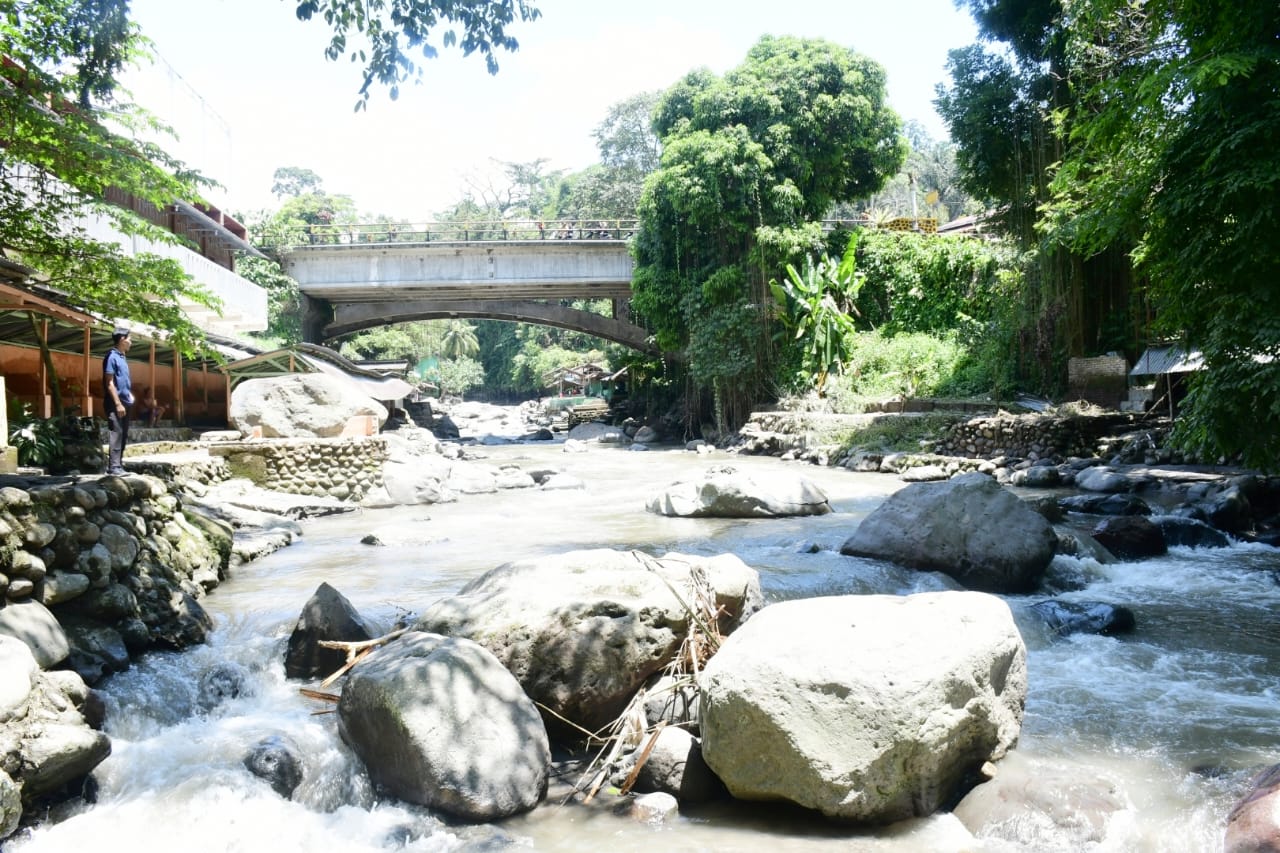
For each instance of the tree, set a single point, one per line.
(379, 34)
(1178, 151)
(458, 375)
(294, 181)
(1011, 111)
(459, 340)
(629, 153)
(749, 162)
(815, 305)
(61, 155)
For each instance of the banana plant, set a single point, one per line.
(815, 306)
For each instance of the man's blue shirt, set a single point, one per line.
(115, 364)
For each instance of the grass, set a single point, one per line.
(899, 433)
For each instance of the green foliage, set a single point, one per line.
(458, 375)
(898, 434)
(68, 138)
(38, 440)
(389, 30)
(1178, 152)
(409, 342)
(284, 301)
(459, 340)
(911, 365)
(925, 283)
(294, 181)
(815, 307)
(746, 159)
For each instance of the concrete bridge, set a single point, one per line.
(358, 279)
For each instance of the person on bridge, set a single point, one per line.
(117, 392)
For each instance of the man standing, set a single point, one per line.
(118, 393)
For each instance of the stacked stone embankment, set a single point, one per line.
(342, 468)
(1031, 436)
(94, 571)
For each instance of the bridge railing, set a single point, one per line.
(524, 230)
(469, 232)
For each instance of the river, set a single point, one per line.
(1174, 717)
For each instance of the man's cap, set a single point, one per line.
(120, 332)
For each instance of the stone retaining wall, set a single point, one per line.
(1032, 436)
(94, 570)
(343, 468)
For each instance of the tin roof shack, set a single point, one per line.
(586, 380)
(1159, 378)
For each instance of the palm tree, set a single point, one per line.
(459, 340)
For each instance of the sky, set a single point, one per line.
(265, 96)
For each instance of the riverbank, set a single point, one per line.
(414, 544)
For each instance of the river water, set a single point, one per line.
(1172, 719)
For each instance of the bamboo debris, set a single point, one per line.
(357, 650)
(630, 729)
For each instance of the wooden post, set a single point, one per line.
(46, 402)
(86, 399)
(179, 408)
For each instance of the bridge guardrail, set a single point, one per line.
(468, 232)
(519, 230)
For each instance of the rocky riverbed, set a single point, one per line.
(138, 596)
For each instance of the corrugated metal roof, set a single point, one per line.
(1171, 358)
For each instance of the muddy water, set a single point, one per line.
(1173, 718)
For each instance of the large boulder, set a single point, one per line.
(327, 616)
(1130, 537)
(1254, 824)
(300, 405)
(869, 709)
(33, 624)
(582, 631)
(46, 742)
(440, 722)
(969, 527)
(724, 492)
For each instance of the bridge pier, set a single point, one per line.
(316, 315)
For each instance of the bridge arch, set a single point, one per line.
(356, 317)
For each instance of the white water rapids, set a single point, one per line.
(1175, 716)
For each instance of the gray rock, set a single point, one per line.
(1130, 537)
(969, 527)
(1111, 504)
(1254, 824)
(277, 760)
(673, 701)
(32, 623)
(18, 669)
(1100, 478)
(1036, 477)
(1063, 618)
(62, 754)
(327, 615)
(221, 683)
(1190, 533)
(60, 587)
(676, 767)
(724, 492)
(10, 805)
(646, 435)
(584, 630)
(867, 708)
(924, 474)
(299, 405)
(1036, 805)
(440, 722)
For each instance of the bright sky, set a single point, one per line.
(281, 103)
